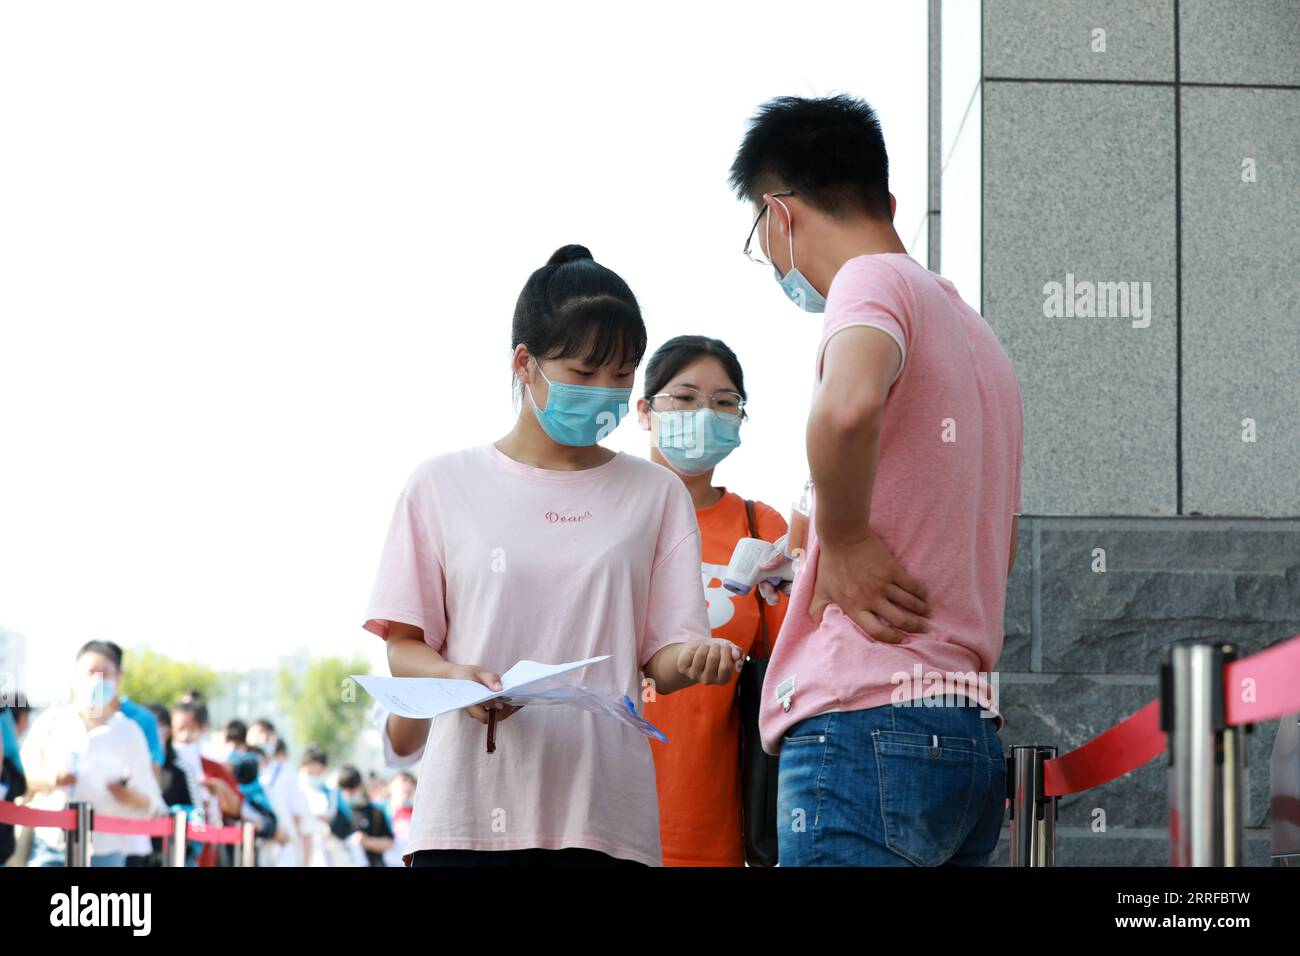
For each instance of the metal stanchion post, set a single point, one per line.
(78, 838)
(180, 820)
(248, 848)
(1206, 757)
(1033, 813)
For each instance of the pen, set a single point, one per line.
(492, 731)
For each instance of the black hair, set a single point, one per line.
(314, 754)
(265, 725)
(236, 731)
(575, 306)
(107, 648)
(349, 777)
(677, 353)
(830, 150)
(281, 748)
(162, 713)
(244, 766)
(195, 708)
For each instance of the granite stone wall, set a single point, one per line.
(1141, 265)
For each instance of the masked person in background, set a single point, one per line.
(371, 835)
(222, 802)
(693, 408)
(286, 795)
(138, 848)
(182, 788)
(88, 751)
(545, 546)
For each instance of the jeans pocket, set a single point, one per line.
(926, 792)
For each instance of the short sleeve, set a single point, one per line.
(867, 291)
(410, 586)
(676, 610)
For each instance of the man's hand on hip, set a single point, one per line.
(871, 587)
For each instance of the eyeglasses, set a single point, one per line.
(756, 256)
(687, 398)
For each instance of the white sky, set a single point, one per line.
(258, 260)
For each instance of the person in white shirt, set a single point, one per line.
(88, 751)
(287, 798)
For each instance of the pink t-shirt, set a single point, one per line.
(947, 486)
(499, 561)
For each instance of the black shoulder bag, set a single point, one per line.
(758, 770)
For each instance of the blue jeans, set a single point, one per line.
(871, 788)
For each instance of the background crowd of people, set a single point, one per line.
(137, 760)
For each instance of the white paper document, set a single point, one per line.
(528, 683)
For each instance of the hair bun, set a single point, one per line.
(568, 253)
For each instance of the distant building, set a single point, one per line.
(13, 666)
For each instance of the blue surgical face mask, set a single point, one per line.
(795, 285)
(579, 414)
(695, 441)
(94, 692)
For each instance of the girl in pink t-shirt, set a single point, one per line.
(545, 546)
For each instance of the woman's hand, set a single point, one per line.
(770, 593)
(489, 679)
(715, 661)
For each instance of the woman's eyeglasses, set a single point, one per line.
(688, 398)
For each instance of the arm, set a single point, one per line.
(1015, 542)
(376, 844)
(142, 791)
(406, 734)
(410, 656)
(227, 798)
(34, 751)
(856, 570)
(844, 430)
(677, 666)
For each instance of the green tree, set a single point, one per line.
(324, 705)
(153, 678)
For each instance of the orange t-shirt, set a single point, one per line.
(698, 770)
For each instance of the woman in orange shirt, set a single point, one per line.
(693, 407)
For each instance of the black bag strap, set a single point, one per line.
(762, 614)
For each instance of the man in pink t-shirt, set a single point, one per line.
(880, 696)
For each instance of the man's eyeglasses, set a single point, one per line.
(687, 398)
(755, 254)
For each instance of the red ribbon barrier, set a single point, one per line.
(225, 835)
(152, 826)
(1271, 677)
(1113, 753)
(14, 815)
(1261, 687)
